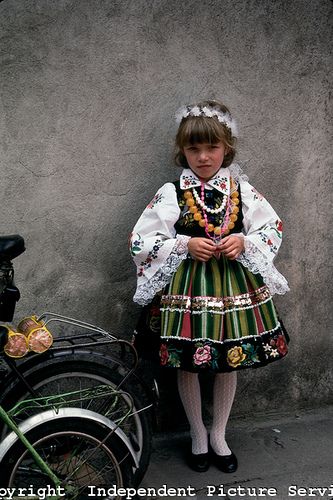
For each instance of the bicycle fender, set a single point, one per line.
(51, 415)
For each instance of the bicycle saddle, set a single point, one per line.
(11, 246)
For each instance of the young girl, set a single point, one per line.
(204, 250)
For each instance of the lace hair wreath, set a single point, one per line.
(208, 111)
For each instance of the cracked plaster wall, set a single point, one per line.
(88, 92)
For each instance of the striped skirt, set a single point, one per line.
(217, 315)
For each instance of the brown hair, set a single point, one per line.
(202, 129)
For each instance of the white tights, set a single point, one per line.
(190, 394)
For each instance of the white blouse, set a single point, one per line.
(158, 251)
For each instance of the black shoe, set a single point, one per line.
(226, 463)
(200, 462)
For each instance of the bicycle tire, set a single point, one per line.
(93, 368)
(72, 447)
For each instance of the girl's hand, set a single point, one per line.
(231, 246)
(201, 248)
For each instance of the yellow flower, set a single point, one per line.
(235, 356)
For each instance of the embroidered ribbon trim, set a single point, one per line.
(218, 305)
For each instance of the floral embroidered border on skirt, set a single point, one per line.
(248, 352)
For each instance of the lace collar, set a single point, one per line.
(220, 181)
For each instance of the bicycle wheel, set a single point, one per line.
(70, 371)
(73, 449)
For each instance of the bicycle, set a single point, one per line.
(74, 361)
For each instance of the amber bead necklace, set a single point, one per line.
(199, 209)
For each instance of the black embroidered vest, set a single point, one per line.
(190, 227)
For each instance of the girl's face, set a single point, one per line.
(205, 159)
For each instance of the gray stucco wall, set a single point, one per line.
(88, 93)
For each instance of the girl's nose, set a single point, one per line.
(203, 155)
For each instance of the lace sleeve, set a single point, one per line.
(257, 263)
(262, 238)
(146, 291)
(156, 249)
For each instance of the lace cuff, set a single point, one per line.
(257, 263)
(181, 244)
(147, 291)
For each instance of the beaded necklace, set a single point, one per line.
(199, 209)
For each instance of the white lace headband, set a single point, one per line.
(208, 111)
